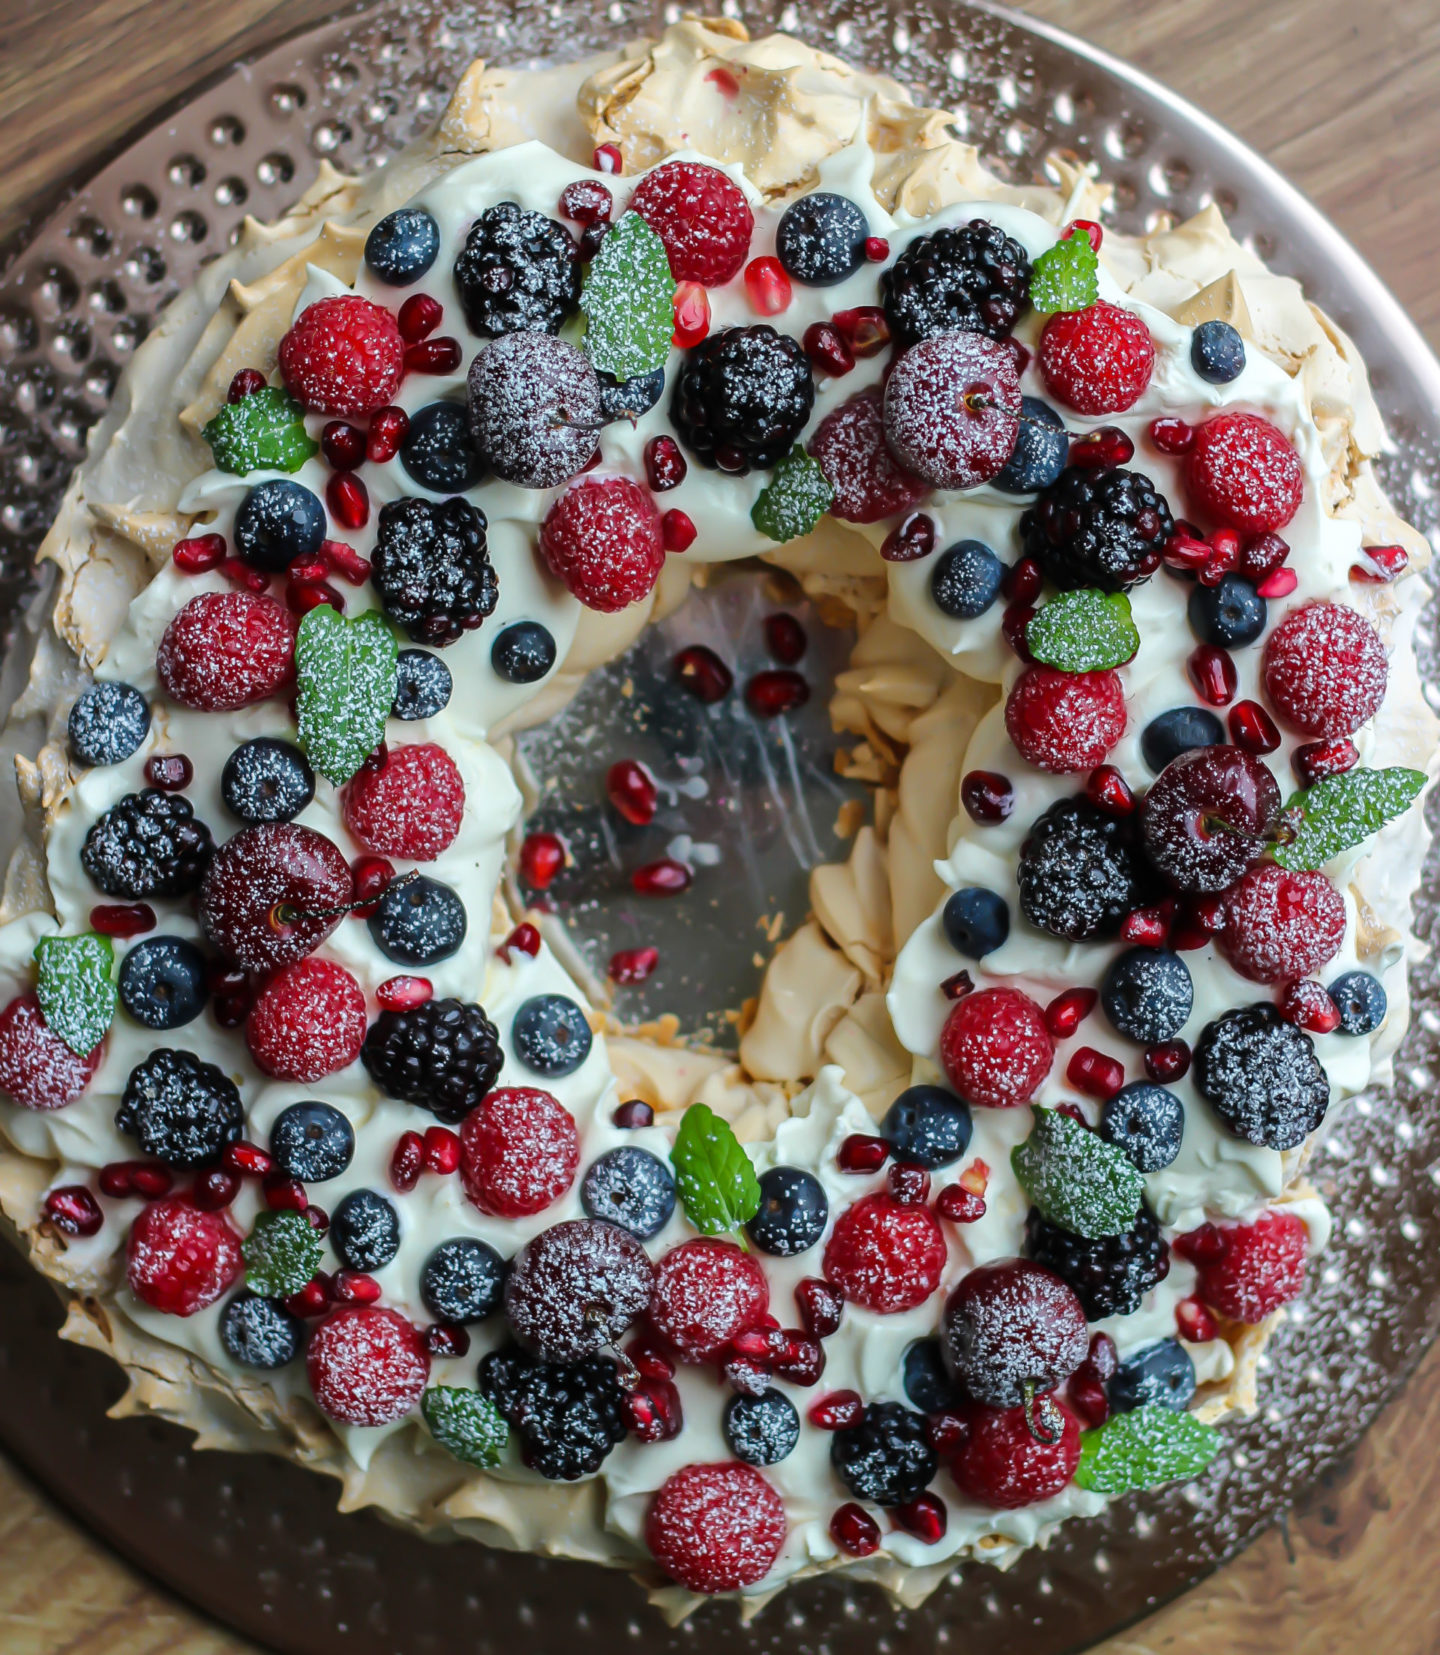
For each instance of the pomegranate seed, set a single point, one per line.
(445, 1339)
(837, 1411)
(862, 1153)
(313, 1299)
(1212, 672)
(284, 1194)
(1019, 354)
(150, 1182)
(702, 672)
(215, 1189)
(241, 574)
(1067, 1011)
(1088, 228)
(959, 1205)
(768, 286)
(1015, 624)
(1102, 450)
(630, 787)
(650, 1359)
(1252, 728)
(418, 317)
(389, 427)
(925, 1517)
(1149, 927)
(433, 356)
(345, 561)
(1186, 552)
(653, 1412)
(1194, 1323)
(117, 1179)
(1022, 581)
(407, 1162)
(244, 384)
(404, 993)
(122, 919)
(1308, 1006)
(1172, 436)
(785, 639)
(1260, 556)
(976, 1177)
(199, 553)
(73, 1210)
(1169, 1060)
(760, 1344)
(541, 857)
(692, 314)
(827, 350)
(912, 538)
(1318, 759)
(309, 571)
(1072, 1112)
(1224, 549)
(909, 1184)
(247, 1159)
(1203, 1245)
(946, 1431)
(352, 1287)
(343, 445)
(169, 771)
(1186, 935)
(607, 158)
(524, 937)
(821, 1307)
(1279, 585)
(302, 596)
(855, 1531)
(877, 249)
(958, 986)
(724, 82)
(677, 530)
(776, 691)
(371, 875)
(634, 1114)
(1382, 564)
(665, 465)
(1095, 1074)
(586, 202)
(629, 966)
(442, 1150)
(802, 1362)
(319, 1219)
(865, 330)
(667, 877)
(987, 795)
(1208, 912)
(1088, 1398)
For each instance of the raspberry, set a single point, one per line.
(367, 1365)
(576, 1288)
(951, 407)
(1261, 1268)
(343, 356)
(995, 1048)
(1001, 1463)
(601, 538)
(1281, 925)
(716, 1528)
(518, 1152)
(568, 1416)
(701, 216)
(1065, 722)
(1325, 670)
(307, 1022)
(1097, 361)
(273, 893)
(411, 805)
(37, 1069)
(868, 481)
(179, 1259)
(227, 650)
(1244, 473)
(885, 1256)
(706, 1292)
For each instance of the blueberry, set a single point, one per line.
(463, 1281)
(966, 580)
(523, 653)
(628, 399)
(107, 723)
(1147, 994)
(365, 1231)
(1147, 1122)
(403, 246)
(632, 1188)
(312, 1142)
(1042, 450)
(1176, 732)
(1228, 615)
(162, 982)
(928, 1126)
(927, 1380)
(259, 1333)
(1217, 353)
(437, 451)
(1360, 1000)
(792, 1214)
(761, 1430)
(551, 1035)
(265, 780)
(976, 921)
(279, 521)
(422, 685)
(821, 239)
(419, 922)
(1162, 1375)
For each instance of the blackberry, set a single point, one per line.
(1109, 1275)
(972, 279)
(742, 397)
(182, 1111)
(1261, 1077)
(108, 723)
(887, 1457)
(431, 568)
(444, 1056)
(1078, 873)
(1097, 528)
(517, 272)
(148, 844)
(568, 1416)
(761, 1430)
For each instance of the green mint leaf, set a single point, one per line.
(794, 500)
(1084, 631)
(628, 300)
(465, 1424)
(713, 1174)
(77, 989)
(1075, 1178)
(281, 1253)
(1343, 811)
(1066, 277)
(1140, 1449)
(264, 431)
(345, 672)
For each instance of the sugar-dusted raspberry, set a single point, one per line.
(1325, 669)
(1002, 1463)
(884, 1255)
(952, 406)
(995, 1048)
(367, 1365)
(706, 1292)
(411, 805)
(869, 482)
(1281, 925)
(601, 538)
(226, 650)
(1261, 1268)
(701, 216)
(273, 893)
(1097, 361)
(37, 1069)
(1065, 722)
(1243, 472)
(343, 356)
(518, 1152)
(307, 1022)
(179, 1259)
(716, 1528)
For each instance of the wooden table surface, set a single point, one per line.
(1343, 98)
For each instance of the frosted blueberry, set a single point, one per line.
(108, 723)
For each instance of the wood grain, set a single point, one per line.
(1342, 98)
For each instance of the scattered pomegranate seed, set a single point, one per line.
(877, 249)
(1169, 1060)
(1072, 1112)
(345, 561)
(692, 314)
(1067, 1011)
(446, 1339)
(169, 771)
(73, 1210)
(987, 795)
(1252, 728)
(607, 158)
(149, 1181)
(958, 986)
(959, 1205)
(284, 1194)
(912, 538)
(764, 1343)
(925, 1517)
(199, 553)
(865, 330)
(802, 1362)
(318, 1218)
(371, 875)
(348, 500)
(1208, 912)
(1019, 354)
(1088, 228)
(433, 356)
(1149, 927)
(666, 877)
(827, 350)
(122, 919)
(247, 1159)
(525, 938)
(313, 1299)
(442, 1150)
(407, 1162)
(301, 596)
(821, 1306)
(1186, 552)
(976, 1177)
(1022, 581)
(909, 1184)
(1260, 556)
(1102, 450)
(1015, 625)
(215, 1189)
(1088, 1398)
(1095, 1074)
(1382, 564)
(1318, 759)
(632, 965)
(945, 1431)
(389, 427)
(1279, 585)
(244, 384)
(1224, 554)
(1308, 1006)
(776, 691)
(862, 1153)
(343, 445)
(116, 1180)
(353, 1287)
(418, 317)
(541, 857)
(653, 1411)
(630, 787)
(1212, 672)
(855, 1531)
(837, 1411)
(665, 466)
(785, 638)
(1172, 436)
(241, 574)
(768, 286)
(404, 993)
(1194, 1323)
(634, 1114)
(702, 672)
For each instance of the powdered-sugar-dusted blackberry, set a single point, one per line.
(432, 570)
(444, 1055)
(535, 411)
(180, 1109)
(965, 278)
(1078, 872)
(576, 1288)
(568, 1416)
(147, 845)
(741, 398)
(887, 1457)
(1261, 1076)
(517, 272)
(1110, 1274)
(1097, 528)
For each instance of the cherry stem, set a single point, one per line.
(1043, 1419)
(286, 913)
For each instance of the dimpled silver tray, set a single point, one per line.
(257, 1543)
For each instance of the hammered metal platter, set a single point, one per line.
(258, 1543)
